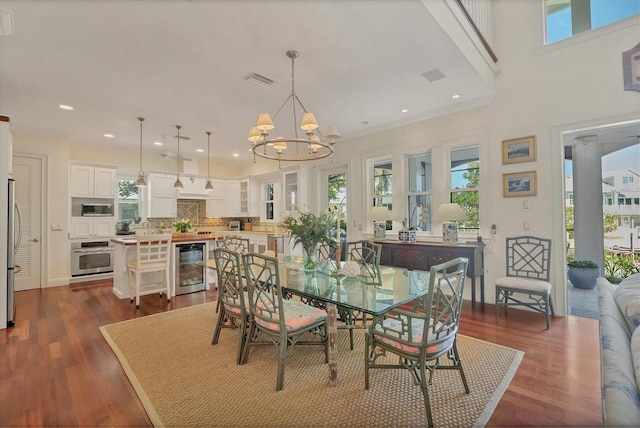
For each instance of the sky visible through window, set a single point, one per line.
(603, 12)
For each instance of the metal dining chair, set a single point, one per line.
(233, 310)
(527, 280)
(420, 336)
(276, 320)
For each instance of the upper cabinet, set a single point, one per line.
(92, 182)
(224, 199)
(295, 189)
(163, 198)
(249, 198)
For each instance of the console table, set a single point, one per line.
(423, 255)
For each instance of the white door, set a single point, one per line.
(28, 175)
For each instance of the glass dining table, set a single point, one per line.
(393, 288)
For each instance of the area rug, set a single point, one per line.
(182, 380)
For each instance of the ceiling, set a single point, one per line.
(185, 62)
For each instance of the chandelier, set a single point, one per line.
(310, 147)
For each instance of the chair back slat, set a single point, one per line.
(153, 249)
(237, 245)
(528, 257)
(367, 254)
(230, 284)
(264, 288)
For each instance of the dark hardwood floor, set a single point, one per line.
(57, 370)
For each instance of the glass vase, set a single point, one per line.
(309, 261)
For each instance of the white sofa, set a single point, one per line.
(619, 309)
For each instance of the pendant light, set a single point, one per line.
(208, 187)
(141, 181)
(178, 184)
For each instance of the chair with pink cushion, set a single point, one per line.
(275, 320)
(424, 334)
(233, 311)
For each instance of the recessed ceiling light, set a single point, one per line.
(404, 110)
(199, 150)
(235, 155)
(456, 96)
(65, 107)
(108, 135)
(157, 143)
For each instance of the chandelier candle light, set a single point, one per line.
(312, 147)
(449, 214)
(141, 181)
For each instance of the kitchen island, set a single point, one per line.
(125, 251)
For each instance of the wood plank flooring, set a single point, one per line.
(57, 370)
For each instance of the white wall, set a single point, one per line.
(538, 91)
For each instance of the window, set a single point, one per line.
(465, 184)
(419, 197)
(566, 18)
(627, 180)
(128, 200)
(382, 186)
(269, 201)
(337, 196)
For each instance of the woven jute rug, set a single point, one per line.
(182, 380)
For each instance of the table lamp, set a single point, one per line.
(379, 215)
(449, 214)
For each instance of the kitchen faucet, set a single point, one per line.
(148, 226)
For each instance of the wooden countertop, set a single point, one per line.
(131, 240)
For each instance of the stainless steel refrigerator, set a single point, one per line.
(13, 242)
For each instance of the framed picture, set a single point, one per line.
(519, 150)
(519, 184)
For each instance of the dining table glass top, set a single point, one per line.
(395, 287)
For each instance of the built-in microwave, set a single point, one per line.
(97, 210)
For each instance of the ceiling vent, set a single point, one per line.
(6, 22)
(433, 75)
(256, 79)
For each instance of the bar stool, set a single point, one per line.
(152, 255)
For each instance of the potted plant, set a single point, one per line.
(183, 225)
(583, 273)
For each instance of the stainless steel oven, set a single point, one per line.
(89, 258)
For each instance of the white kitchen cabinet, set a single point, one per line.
(163, 201)
(216, 204)
(249, 198)
(232, 201)
(92, 182)
(92, 227)
(295, 189)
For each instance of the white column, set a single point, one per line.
(587, 200)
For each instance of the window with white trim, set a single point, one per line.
(465, 184)
(419, 169)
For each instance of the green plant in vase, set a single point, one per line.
(310, 230)
(183, 225)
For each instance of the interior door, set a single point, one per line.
(27, 172)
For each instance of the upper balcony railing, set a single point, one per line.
(479, 13)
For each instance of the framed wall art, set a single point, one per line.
(519, 150)
(519, 184)
(631, 68)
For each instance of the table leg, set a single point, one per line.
(473, 292)
(332, 330)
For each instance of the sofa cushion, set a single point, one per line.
(627, 297)
(620, 396)
(635, 354)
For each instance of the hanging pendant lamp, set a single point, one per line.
(141, 181)
(208, 187)
(178, 184)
